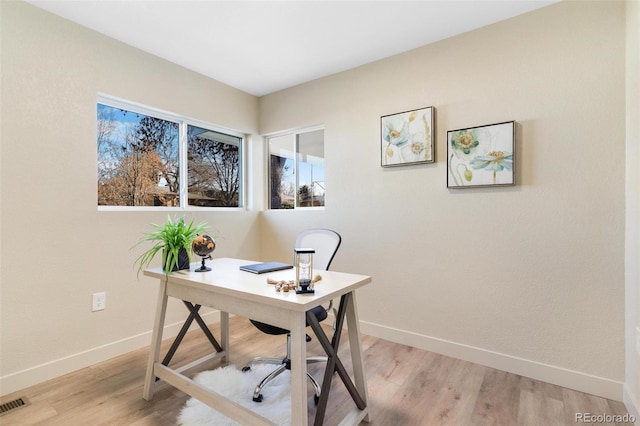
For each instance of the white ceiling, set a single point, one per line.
(265, 46)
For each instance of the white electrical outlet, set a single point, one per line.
(638, 340)
(99, 301)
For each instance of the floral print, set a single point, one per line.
(464, 141)
(494, 160)
(481, 156)
(406, 137)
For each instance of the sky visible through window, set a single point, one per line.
(138, 159)
(141, 163)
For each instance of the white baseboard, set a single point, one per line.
(583, 382)
(576, 380)
(22, 379)
(632, 405)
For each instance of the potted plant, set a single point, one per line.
(174, 238)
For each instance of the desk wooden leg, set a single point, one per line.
(334, 364)
(156, 340)
(298, 369)
(224, 334)
(357, 357)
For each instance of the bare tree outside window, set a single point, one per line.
(213, 168)
(139, 163)
(137, 159)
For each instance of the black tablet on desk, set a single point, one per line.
(260, 268)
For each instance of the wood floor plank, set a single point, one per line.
(536, 409)
(498, 399)
(576, 403)
(407, 387)
(547, 390)
(617, 408)
(456, 398)
(34, 414)
(420, 393)
(392, 362)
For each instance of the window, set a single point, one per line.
(142, 152)
(213, 168)
(296, 169)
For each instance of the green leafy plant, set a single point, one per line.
(170, 237)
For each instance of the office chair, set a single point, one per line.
(326, 243)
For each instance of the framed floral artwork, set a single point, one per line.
(481, 156)
(407, 137)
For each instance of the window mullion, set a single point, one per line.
(183, 164)
(296, 157)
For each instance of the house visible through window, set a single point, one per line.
(296, 169)
(142, 156)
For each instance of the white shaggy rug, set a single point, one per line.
(238, 386)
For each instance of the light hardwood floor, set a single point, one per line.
(407, 386)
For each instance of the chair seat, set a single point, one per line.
(319, 312)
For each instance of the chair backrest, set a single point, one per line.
(325, 242)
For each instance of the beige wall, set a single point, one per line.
(57, 248)
(527, 278)
(632, 295)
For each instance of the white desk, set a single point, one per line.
(230, 290)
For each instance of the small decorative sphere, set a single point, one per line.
(203, 245)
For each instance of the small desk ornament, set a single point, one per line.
(203, 245)
(285, 286)
(304, 270)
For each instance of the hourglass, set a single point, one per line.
(304, 269)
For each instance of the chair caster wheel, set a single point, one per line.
(246, 368)
(257, 398)
(316, 399)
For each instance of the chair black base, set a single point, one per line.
(283, 364)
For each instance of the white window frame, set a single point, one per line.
(295, 132)
(183, 123)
